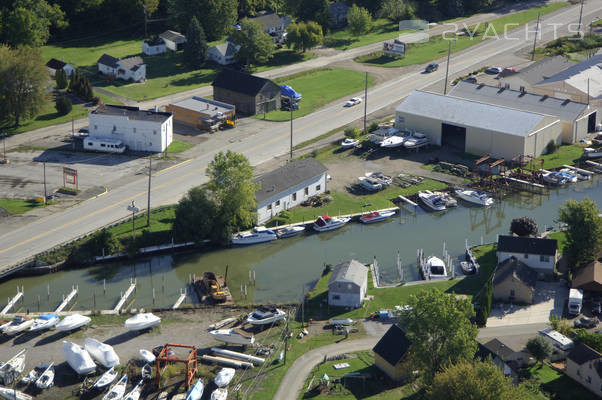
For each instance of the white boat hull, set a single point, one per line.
(12, 330)
(106, 379)
(40, 324)
(196, 391)
(465, 195)
(289, 232)
(101, 352)
(118, 390)
(219, 394)
(381, 217)
(142, 321)
(46, 380)
(243, 240)
(224, 377)
(78, 358)
(231, 336)
(335, 223)
(147, 356)
(12, 394)
(72, 322)
(432, 201)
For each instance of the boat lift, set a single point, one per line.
(164, 358)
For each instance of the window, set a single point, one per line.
(277, 203)
(90, 144)
(269, 207)
(544, 258)
(294, 196)
(526, 256)
(336, 297)
(512, 293)
(154, 132)
(102, 145)
(307, 191)
(114, 128)
(589, 379)
(318, 187)
(134, 129)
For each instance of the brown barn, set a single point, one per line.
(250, 94)
(589, 277)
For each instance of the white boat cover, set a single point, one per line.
(71, 322)
(224, 376)
(142, 321)
(219, 394)
(147, 356)
(78, 358)
(101, 352)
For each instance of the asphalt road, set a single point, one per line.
(169, 185)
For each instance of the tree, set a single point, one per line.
(359, 20)
(23, 83)
(539, 348)
(63, 105)
(215, 16)
(303, 36)
(439, 328)
(480, 380)
(195, 216)
(28, 22)
(523, 226)
(311, 10)
(584, 230)
(592, 339)
(256, 46)
(61, 79)
(232, 188)
(80, 86)
(352, 132)
(397, 10)
(195, 52)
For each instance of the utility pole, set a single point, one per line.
(145, 20)
(291, 155)
(4, 146)
(150, 170)
(535, 38)
(580, 17)
(44, 163)
(365, 103)
(286, 338)
(447, 67)
(132, 207)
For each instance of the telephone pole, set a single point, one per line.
(145, 20)
(447, 67)
(45, 193)
(535, 38)
(291, 155)
(365, 103)
(580, 17)
(148, 210)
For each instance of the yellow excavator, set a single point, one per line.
(212, 287)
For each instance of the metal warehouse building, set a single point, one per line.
(477, 128)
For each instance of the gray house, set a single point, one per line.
(348, 284)
(338, 13)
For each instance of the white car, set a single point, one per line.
(353, 101)
(493, 70)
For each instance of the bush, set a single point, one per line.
(327, 269)
(86, 252)
(63, 105)
(352, 133)
(95, 100)
(61, 79)
(373, 127)
(551, 147)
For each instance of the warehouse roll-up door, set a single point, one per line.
(453, 136)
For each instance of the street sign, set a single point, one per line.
(132, 207)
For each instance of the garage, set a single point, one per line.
(453, 136)
(591, 123)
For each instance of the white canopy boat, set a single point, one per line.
(103, 353)
(326, 223)
(78, 358)
(219, 394)
(370, 184)
(147, 356)
(436, 268)
(134, 394)
(10, 370)
(18, 325)
(392, 142)
(266, 315)
(376, 216)
(449, 200)
(45, 321)
(72, 322)
(416, 140)
(259, 234)
(13, 394)
(289, 231)
(569, 176)
(142, 321)
(554, 178)
(106, 379)
(475, 197)
(117, 390)
(433, 201)
(196, 391)
(579, 176)
(224, 376)
(46, 380)
(348, 143)
(233, 336)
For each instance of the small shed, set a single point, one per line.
(54, 65)
(249, 93)
(390, 353)
(224, 53)
(348, 284)
(173, 40)
(589, 277)
(152, 47)
(514, 281)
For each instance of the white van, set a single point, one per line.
(107, 145)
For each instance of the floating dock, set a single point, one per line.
(180, 300)
(11, 302)
(597, 166)
(67, 300)
(125, 296)
(405, 199)
(579, 170)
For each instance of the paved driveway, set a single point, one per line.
(549, 299)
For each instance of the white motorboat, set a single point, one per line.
(72, 322)
(348, 143)
(436, 268)
(106, 379)
(416, 140)
(142, 321)
(433, 201)
(134, 394)
(589, 152)
(13, 394)
(259, 234)
(10, 370)
(554, 178)
(117, 390)
(475, 197)
(379, 176)
(31, 377)
(147, 356)
(45, 321)
(569, 176)
(580, 177)
(289, 231)
(233, 336)
(18, 325)
(392, 142)
(326, 223)
(219, 394)
(468, 268)
(266, 315)
(196, 391)
(101, 352)
(370, 184)
(224, 376)
(146, 372)
(449, 200)
(46, 380)
(78, 358)
(376, 216)
(4, 325)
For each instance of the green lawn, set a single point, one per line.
(47, 117)
(105, 99)
(559, 386)
(17, 206)
(437, 47)
(284, 57)
(561, 238)
(319, 87)
(382, 29)
(568, 154)
(177, 146)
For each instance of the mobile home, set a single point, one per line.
(107, 145)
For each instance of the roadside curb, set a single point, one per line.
(100, 194)
(173, 166)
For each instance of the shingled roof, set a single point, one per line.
(393, 346)
(512, 267)
(55, 64)
(349, 271)
(527, 245)
(495, 346)
(108, 60)
(241, 82)
(582, 353)
(269, 20)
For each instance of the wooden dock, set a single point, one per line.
(67, 300)
(597, 166)
(405, 199)
(579, 170)
(125, 296)
(11, 302)
(180, 300)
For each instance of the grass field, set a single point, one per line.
(558, 385)
(382, 29)
(47, 117)
(568, 154)
(561, 238)
(177, 146)
(18, 206)
(319, 87)
(436, 47)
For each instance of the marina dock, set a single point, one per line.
(579, 170)
(180, 300)
(125, 296)
(11, 302)
(67, 300)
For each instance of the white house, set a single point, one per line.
(131, 68)
(173, 40)
(154, 46)
(224, 53)
(584, 365)
(274, 25)
(54, 65)
(288, 186)
(139, 130)
(348, 284)
(539, 254)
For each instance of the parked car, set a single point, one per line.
(353, 101)
(586, 323)
(83, 130)
(493, 70)
(509, 69)
(431, 68)
(471, 79)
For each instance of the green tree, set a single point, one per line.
(480, 380)
(592, 339)
(63, 105)
(397, 10)
(359, 20)
(303, 36)
(100, 242)
(195, 216)
(485, 302)
(256, 46)
(61, 79)
(28, 22)
(439, 328)
(523, 226)
(539, 348)
(216, 16)
(23, 83)
(195, 52)
(311, 10)
(584, 230)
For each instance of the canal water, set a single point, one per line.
(284, 269)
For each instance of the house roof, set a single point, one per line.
(156, 41)
(205, 106)
(173, 36)
(495, 346)
(133, 113)
(226, 49)
(543, 69)
(108, 60)
(55, 64)
(591, 273)
(288, 176)
(512, 267)
(241, 82)
(393, 346)
(580, 76)
(132, 63)
(338, 8)
(582, 353)
(527, 245)
(269, 20)
(561, 108)
(349, 271)
(472, 113)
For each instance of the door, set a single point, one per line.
(591, 123)
(453, 136)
